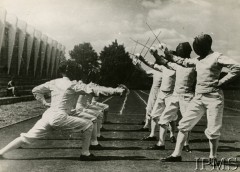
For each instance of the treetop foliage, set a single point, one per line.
(113, 66)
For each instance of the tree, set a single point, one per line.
(85, 55)
(113, 67)
(117, 68)
(116, 65)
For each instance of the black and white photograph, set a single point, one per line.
(119, 85)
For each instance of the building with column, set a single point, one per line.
(25, 51)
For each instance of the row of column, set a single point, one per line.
(45, 49)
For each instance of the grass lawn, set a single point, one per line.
(13, 113)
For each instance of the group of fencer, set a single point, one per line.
(191, 86)
(74, 106)
(180, 83)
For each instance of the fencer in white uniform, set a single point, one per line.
(64, 93)
(86, 109)
(208, 97)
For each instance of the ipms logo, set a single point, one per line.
(225, 164)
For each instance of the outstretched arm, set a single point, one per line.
(230, 64)
(108, 91)
(138, 65)
(149, 64)
(159, 63)
(160, 60)
(180, 61)
(97, 90)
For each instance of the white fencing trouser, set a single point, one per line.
(151, 101)
(55, 120)
(162, 99)
(210, 103)
(176, 102)
(157, 80)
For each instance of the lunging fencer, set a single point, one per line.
(64, 93)
(93, 111)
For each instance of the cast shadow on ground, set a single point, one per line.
(105, 139)
(103, 148)
(132, 123)
(120, 130)
(121, 123)
(220, 149)
(100, 158)
(206, 141)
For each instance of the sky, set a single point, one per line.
(100, 22)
